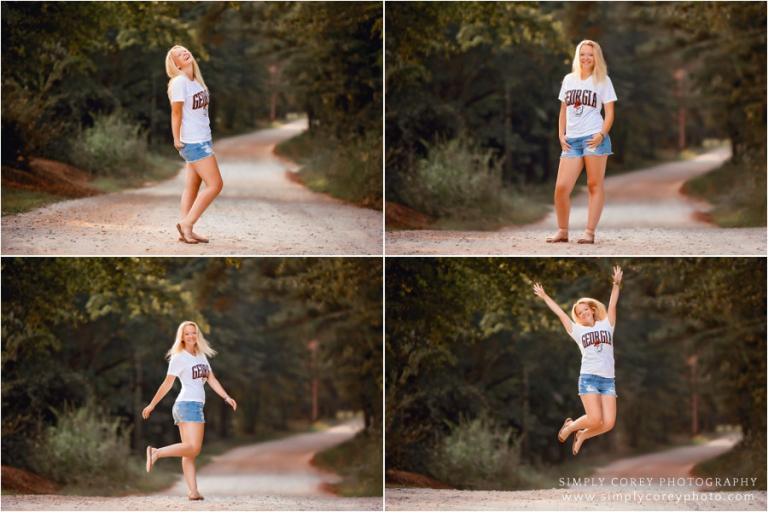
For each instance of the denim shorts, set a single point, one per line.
(188, 412)
(596, 385)
(579, 147)
(194, 151)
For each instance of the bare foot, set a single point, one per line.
(195, 496)
(561, 236)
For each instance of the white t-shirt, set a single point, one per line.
(596, 345)
(193, 372)
(195, 126)
(584, 100)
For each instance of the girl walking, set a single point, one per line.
(591, 327)
(191, 129)
(584, 137)
(189, 363)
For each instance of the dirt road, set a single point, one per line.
(645, 214)
(657, 481)
(275, 475)
(260, 211)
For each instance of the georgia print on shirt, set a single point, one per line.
(200, 371)
(580, 97)
(596, 338)
(584, 100)
(200, 100)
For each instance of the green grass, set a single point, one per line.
(160, 168)
(18, 200)
(347, 170)
(358, 462)
(736, 191)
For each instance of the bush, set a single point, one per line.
(349, 169)
(455, 177)
(85, 447)
(476, 454)
(113, 146)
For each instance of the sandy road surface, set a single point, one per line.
(657, 481)
(645, 214)
(259, 211)
(274, 475)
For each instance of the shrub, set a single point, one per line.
(476, 454)
(456, 176)
(85, 446)
(113, 146)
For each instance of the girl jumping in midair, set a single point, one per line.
(592, 330)
(584, 136)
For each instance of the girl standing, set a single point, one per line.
(192, 138)
(584, 137)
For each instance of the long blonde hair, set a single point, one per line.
(178, 345)
(597, 307)
(600, 70)
(173, 71)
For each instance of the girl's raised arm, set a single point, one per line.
(617, 275)
(539, 291)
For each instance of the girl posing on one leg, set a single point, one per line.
(189, 363)
(584, 136)
(192, 138)
(592, 330)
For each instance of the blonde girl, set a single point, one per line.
(192, 138)
(584, 139)
(591, 327)
(188, 361)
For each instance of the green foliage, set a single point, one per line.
(736, 190)
(476, 453)
(347, 169)
(358, 461)
(85, 446)
(113, 146)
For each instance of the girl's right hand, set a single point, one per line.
(564, 143)
(178, 145)
(147, 411)
(539, 290)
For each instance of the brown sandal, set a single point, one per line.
(560, 432)
(183, 237)
(195, 498)
(588, 238)
(558, 237)
(573, 446)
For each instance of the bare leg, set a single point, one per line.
(192, 182)
(595, 185)
(191, 433)
(208, 170)
(609, 418)
(592, 420)
(567, 174)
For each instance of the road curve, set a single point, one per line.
(645, 214)
(259, 212)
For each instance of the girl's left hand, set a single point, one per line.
(231, 402)
(595, 141)
(617, 275)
